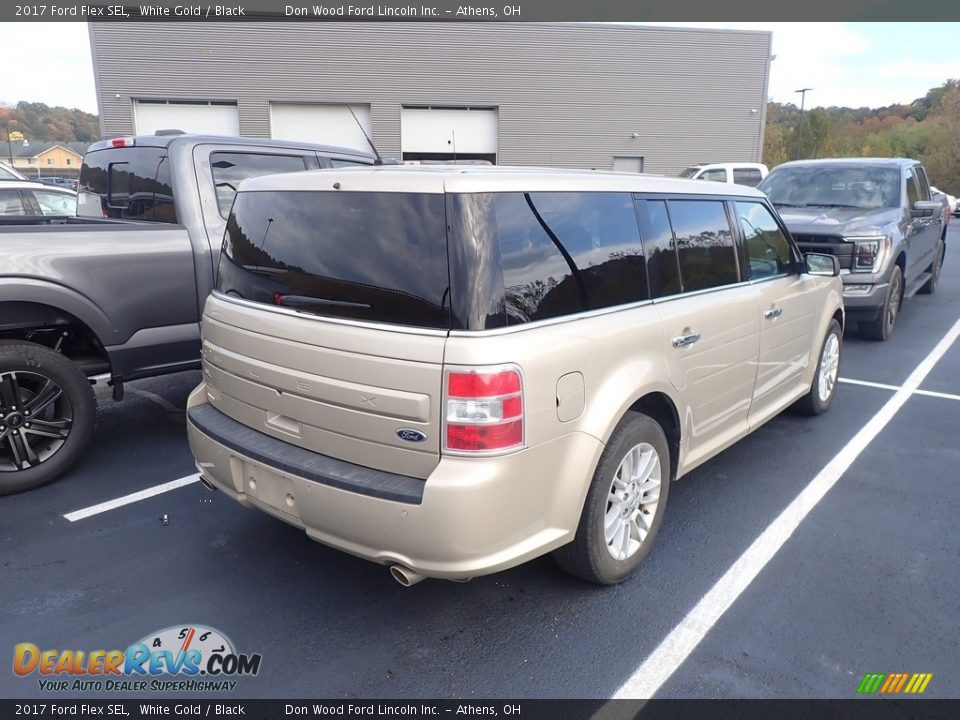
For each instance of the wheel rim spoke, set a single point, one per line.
(57, 429)
(49, 393)
(23, 454)
(9, 391)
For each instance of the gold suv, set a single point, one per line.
(451, 371)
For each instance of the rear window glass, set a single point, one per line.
(130, 183)
(376, 257)
(229, 169)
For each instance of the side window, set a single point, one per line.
(912, 194)
(599, 232)
(704, 244)
(747, 176)
(768, 249)
(539, 282)
(340, 162)
(922, 185)
(714, 175)
(55, 203)
(230, 168)
(660, 248)
(11, 203)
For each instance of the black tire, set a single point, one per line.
(588, 556)
(930, 286)
(812, 403)
(882, 327)
(30, 456)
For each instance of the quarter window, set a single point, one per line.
(768, 249)
(230, 168)
(704, 244)
(599, 231)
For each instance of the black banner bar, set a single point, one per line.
(483, 11)
(873, 709)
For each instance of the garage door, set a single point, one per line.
(209, 118)
(324, 124)
(430, 133)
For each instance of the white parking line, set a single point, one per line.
(676, 647)
(884, 386)
(131, 498)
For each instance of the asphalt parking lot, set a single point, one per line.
(868, 581)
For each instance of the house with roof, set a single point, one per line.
(45, 159)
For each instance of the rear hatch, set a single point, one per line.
(328, 325)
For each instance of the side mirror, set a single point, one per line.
(926, 208)
(822, 264)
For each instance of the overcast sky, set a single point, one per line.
(852, 64)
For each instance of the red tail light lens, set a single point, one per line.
(484, 410)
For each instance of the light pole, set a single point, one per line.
(803, 96)
(9, 143)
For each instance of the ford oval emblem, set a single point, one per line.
(411, 435)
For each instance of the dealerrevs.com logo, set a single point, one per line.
(182, 658)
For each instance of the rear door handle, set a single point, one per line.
(689, 338)
(773, 313)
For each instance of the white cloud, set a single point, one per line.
(49, 63)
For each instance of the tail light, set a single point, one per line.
(122, 142)
(483, 410)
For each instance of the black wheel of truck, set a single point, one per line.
(47, 415)
(930, 286)
(882, 327)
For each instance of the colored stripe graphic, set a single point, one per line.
(894, 683)
(871, 683)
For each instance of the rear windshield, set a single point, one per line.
(131, 183)
(863, 187)
(377, 257)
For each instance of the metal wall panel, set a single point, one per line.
(569, 95)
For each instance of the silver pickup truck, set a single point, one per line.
(117, 292)
(877, 216)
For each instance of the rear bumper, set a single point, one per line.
(474, 516)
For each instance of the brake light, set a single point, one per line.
(484, 410)
(122, 142)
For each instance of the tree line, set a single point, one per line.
(928, 129)
(41, 123)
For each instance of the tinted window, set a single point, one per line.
(230, 168)
(851, 186)
(704, 244)
(539, 281)
(661, 250)
(11, 203)
(912, 194)
(379, 257)
(131, 183)
(922, 186)
(747, 176)
(599, 231)
(768, 249)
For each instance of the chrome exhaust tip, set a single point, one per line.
(405, 576)
(207, 484)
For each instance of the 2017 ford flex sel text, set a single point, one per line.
(451, 371)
